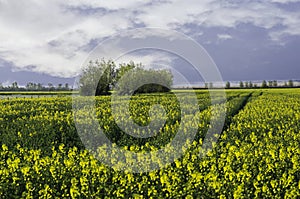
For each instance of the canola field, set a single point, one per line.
(256, 156)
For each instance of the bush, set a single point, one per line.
(140, 80)
(97, 78)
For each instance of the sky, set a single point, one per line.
(50, 40)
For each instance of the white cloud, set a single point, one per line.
(224, 36)
(44, 35)
(229, 14)
(110, 5)
(291, 22)
(150, 59)
(285, 1)
(52, 36)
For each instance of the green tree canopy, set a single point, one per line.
(99, 77)
(290, 83)
(227, 85)
(241, 84)
(264, 84)
(96, 78)
(140, 80)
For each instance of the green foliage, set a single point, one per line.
(123, 69)
(264, 84)
(241, 84)
(250, 84)
(97, 78)
(140, 80)
(227, 85)
(291, 83)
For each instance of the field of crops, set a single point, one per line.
(256, 156)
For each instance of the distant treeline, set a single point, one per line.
(265, 84)
(66, 87)
(36, 87)
(245, 85)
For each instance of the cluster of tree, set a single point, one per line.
(100, 77)
(247, 84)
(269, 84)
(274, 84)
(264, 84)
(139, 80)
(209, 85)
(31, 86)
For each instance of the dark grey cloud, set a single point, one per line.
(9, 75)
(250, 54)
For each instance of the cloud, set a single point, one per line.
(224, 36)
(43, 34)
(54, 35)
(227, 14)
(285, 1)
(109, 5)
(149, 58)
(291, 24)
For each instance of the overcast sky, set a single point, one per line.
(247, 39)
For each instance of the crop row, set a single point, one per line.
(41, 157)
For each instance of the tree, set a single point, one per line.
(275, 84)
(51, 87)
(59, 87)
(270, 83)
(39, 86)
(227, 85)
(264, 84)
(124, 68)
(15, 85)
(206, 85)
(29, 86)
(246, 84)
(290, 83)
(97, 78)
(140, 80)
(250, 84)
(241, 84)
(210, 85)
(66, 86)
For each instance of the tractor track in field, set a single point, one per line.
(236, 111)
